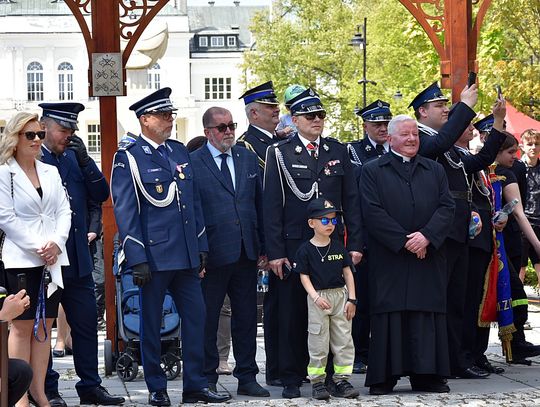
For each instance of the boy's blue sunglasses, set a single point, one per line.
(325, 221)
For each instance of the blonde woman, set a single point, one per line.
(36, 218)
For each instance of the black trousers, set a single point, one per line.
(360, 322)
(239, 281)
(519, 299)
(19, 379)
(457, 263)
(270, 324)
(475, 338)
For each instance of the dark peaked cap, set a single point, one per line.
(65, 114)
(377, 111)
(431, 94)
(261, 94)
(155, 102)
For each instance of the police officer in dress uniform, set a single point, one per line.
(262, 110)
(299, 169)
(438, 133)
(374, 144)
(83, 181)
(161, 226)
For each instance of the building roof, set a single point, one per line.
(223, 19)
(58, 7)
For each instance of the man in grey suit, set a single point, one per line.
(229, 182)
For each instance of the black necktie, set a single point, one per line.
(225, 170)
(380, 149)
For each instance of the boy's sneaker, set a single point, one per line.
(345, 390)
(319, 391)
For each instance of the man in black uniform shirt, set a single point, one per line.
(374, 144)
(301, 168)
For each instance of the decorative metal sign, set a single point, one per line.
(107, 74)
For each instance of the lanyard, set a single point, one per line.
(40, 310)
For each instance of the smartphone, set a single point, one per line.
(287, 270)
(21, 282)
(3, 295)
(472, 79)
(499, 91)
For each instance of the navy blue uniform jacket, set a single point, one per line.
(82, 184)
(231, 216)
(169, 237)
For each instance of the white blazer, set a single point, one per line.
(30, 221)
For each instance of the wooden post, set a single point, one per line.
(106, 35)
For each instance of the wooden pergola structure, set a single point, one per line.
(449, 24)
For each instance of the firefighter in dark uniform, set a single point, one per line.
(262, 109)
(438, 133)
(83, 182)
(299, 169)
(161, 226)
(374, 144)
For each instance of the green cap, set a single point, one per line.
(291, 92)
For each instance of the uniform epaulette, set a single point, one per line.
(127, 141)
(282, 142)
(335, 140)
(175, 140)
(354, 142)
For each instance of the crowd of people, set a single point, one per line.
(377, 251)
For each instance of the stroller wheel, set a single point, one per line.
(171, 365)
(126, 368)
(108, 355)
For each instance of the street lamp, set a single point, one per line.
(359, 41)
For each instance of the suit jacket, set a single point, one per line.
(82, 184)
(257, 141)
(30, 221)
(285, 215)
(233, 218)
(166, 236)
(398, 199)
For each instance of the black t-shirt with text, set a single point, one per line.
(323, 265)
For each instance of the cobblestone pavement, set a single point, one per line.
(517, 386)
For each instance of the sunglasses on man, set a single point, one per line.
(31, 135)
(311, 116)
(325, 221)
(223, 127)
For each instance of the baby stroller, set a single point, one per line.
(127, 361)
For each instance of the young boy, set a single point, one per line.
(530, 144)
(325, 269)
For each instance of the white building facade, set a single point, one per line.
(198, 52)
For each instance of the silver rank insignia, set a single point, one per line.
(325, 147)
(368, 148)
(327, 171)
(298, 149)
(159, 188)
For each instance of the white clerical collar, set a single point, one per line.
(374, 144)
(426, 129)
(305, 141)
(152, 142)
(267, 133)
(405, 159)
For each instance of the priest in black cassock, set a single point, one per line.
(408, 211)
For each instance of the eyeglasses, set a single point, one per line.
(311, 116)
(165, 115)
(223, 127)
(325, 221)
(31, 135)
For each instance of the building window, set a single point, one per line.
(217, 41)
(94, 138)
(217, 88)
(203, 41)
(34, 81)
(65, 81)
(154, 77)
(231, 41)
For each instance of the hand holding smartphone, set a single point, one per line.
(499, 92)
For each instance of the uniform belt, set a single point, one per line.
(465, 195)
